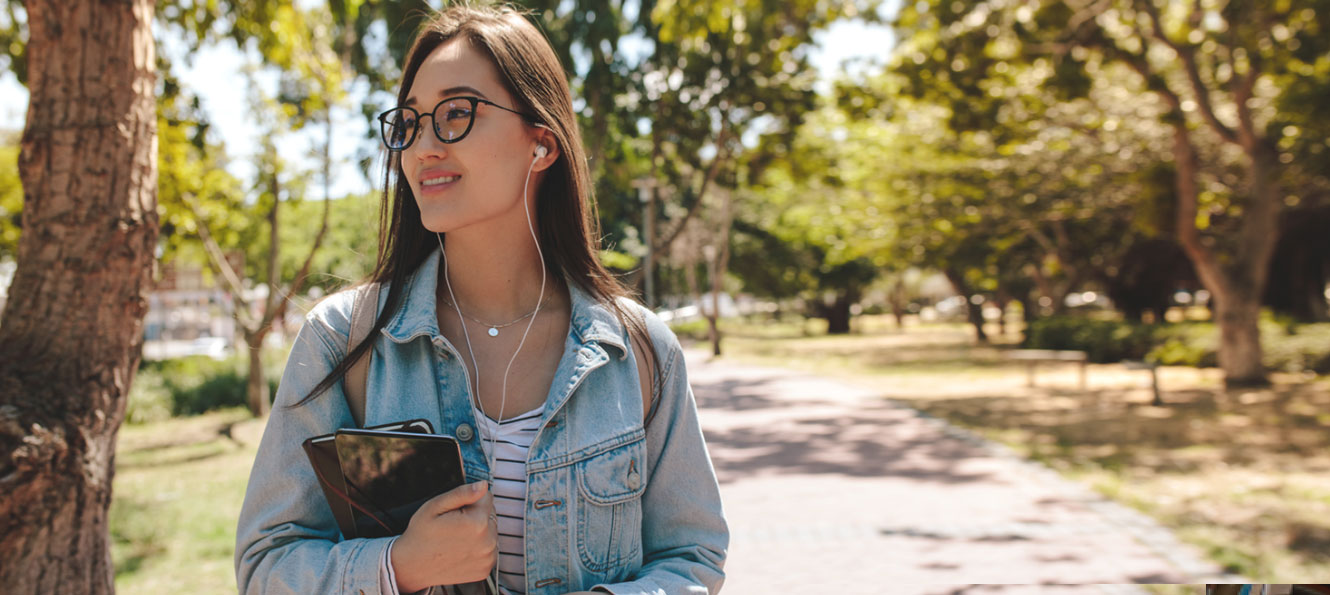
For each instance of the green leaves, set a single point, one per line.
(11, 200)
(14, 40)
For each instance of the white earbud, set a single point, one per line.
(541, 151)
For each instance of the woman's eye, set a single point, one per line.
(458, 113)
(408, 123)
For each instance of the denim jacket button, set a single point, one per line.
(634, 480)
(465, 433)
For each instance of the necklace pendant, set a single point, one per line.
(494, 332)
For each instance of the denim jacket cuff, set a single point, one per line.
(637, 587)
(362, 573)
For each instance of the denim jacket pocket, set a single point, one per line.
(609, 518)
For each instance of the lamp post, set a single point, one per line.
(645, 193)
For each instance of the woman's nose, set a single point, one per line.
(427, 142)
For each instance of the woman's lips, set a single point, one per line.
(438, 180)
(437, 183)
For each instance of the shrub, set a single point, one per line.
(1287, 347)
(149, 399)
(1102, 340)
(695, 330)
(196, 384)
(199, 383)
(1188, 344)
(1306, 349)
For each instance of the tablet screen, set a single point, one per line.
(389, 475)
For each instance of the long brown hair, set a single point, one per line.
(569, 227)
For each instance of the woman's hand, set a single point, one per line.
(452, 539)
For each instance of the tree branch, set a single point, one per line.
(1187, 164)
(1086, 14)
(298, 283)
(274, 274)
(1188, 55)
(712, 170)
(1241, 95)
(1039, 236)
(221, 265)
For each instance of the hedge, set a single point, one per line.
(1286, 347)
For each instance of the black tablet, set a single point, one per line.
(389, 475)
(322, 453)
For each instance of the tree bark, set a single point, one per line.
(974, 313)
(1235, 274)
(838, 314)
(899, 299)
(1238, 281)
(71, 334)
(256, 387)
(721, 263)
(1001, 301)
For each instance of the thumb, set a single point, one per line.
(457, 497)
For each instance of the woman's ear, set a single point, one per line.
(546, 151)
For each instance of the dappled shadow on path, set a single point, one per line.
(818, 446)
(1241, 462)
(738, 395)
(812, 435)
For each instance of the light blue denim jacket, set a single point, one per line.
(609, 502)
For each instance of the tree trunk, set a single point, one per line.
(713, 329)
(1300, 266)
(1029, 312)
(974, 313)
(720, 263)
(256, 387)
(1001, 301)
(1234, 269)
(71, 334)
(838, 315)
(899, 298)
(1236, 281)
(1240, 341)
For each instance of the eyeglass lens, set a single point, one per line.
(451, 121)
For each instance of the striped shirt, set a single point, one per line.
(512, 439)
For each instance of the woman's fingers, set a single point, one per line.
(450, 540)
(457, 498)
(481, 509)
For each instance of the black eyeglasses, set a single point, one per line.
(452, 117)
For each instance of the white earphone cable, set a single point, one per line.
(503, 399)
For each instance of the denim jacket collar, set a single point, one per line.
(591, 320)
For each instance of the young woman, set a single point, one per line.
(497, 323)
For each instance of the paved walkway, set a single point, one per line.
(831, 489)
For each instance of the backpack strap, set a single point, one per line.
(364, 306)
(646, 373)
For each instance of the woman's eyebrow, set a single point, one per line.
(451, 91)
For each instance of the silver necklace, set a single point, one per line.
(493, 328)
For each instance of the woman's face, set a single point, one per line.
(480, 178)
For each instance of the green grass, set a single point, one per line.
(875, 348)
(177, 493)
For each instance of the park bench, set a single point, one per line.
(1154, 377)
(1034, 357)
